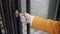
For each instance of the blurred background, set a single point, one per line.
(43, 8)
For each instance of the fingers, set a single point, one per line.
(22, 17)
(28, 17)
(26, 14)
(27, 20)
(25, 17)
(22, 14)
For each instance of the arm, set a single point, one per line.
(46, 25)
(53, 27)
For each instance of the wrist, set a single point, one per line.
(32, 17)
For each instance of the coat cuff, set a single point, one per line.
(32, 17)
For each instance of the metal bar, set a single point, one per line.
(6, 15)
(8, 18)
(12, 23)
(28, 11)
(19, 23)
(55, 17)
(9, 15)
(19, 26)
(0, 24)
(2, 16)
(0, 30)
(58, 13)
(14, 16)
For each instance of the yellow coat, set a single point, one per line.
(53, 27)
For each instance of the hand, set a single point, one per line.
(22, 18)
(25, 17)
(28, 18)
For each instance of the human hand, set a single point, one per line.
(26, 18)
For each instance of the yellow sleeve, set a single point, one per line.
(46, 25)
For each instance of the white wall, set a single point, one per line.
(39, 7)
